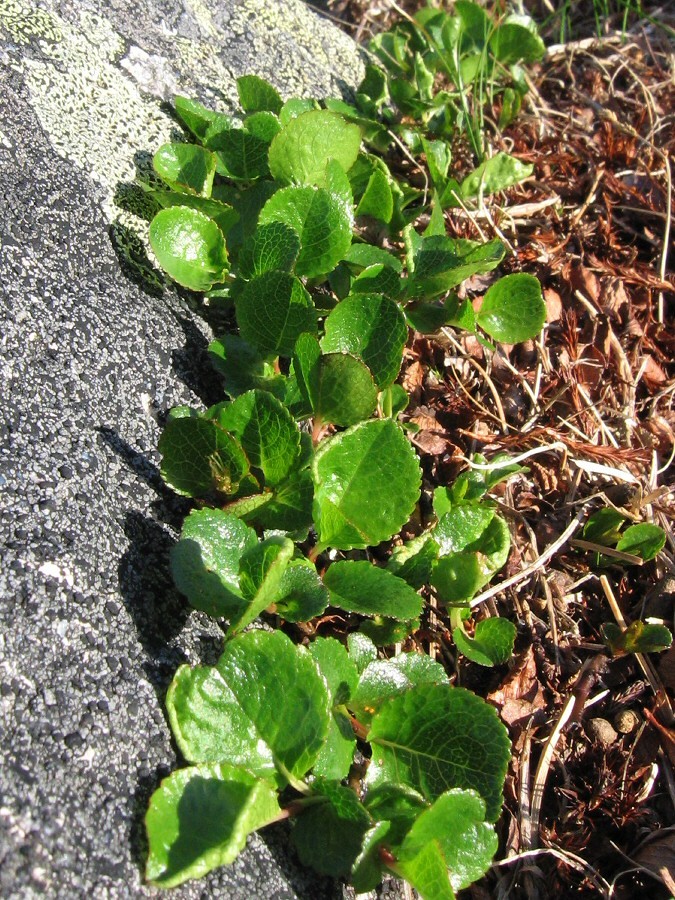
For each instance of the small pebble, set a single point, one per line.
(626, 721)
(601, 731)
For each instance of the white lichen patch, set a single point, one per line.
(94, 114)
(96, 93)
(152, 73)
(314, 48)
(24, 23)
(202, 15)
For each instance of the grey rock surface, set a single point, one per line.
(91, 628)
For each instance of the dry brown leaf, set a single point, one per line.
(613, 298)
(554, 305)
(652, 374)
(520, 694)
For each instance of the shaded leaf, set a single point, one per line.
(266, 431)
(273, 246)
(359, 586)
(199, 819)
(205, 561)
(186, 167)
(302, 595)
(199, 458)
(273, 310)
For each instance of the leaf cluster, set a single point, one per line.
(269, 733)
(477, 58)
(267, 216)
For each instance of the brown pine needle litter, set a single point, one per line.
(588, 408)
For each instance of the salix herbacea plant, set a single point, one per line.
(297, 474)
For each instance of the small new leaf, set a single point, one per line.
(513, 309)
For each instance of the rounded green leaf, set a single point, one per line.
(338, 387)
(273, 246)
(302, 595)
(273, 310)
(199, 819)
(495, 174)
(189, 246)
(280, 688)
(377, 200)
(644, 540)
(299, 153)
(256, 94)
(435, 738)
(366, 484)
(346, 392)
(186, 167)
(456, 823)
(386, 678)
(461, 526)
(205, 561)
(492, 643)
(517, 40)
(378, 279)
(604, 526)
(200, 458)
(370, 326)
(266, 431)
(320, 219)
(457, 577)
(359, 586)
(513, 309)
(210, 726)
(223, 215)
(196, 117)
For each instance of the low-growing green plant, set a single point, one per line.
(297, 476)
(446, 68)
(607, 528)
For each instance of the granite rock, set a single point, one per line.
(94, 349)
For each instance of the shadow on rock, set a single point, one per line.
(138, 839)
(305, 882)
(157, 609)
(192, 364)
